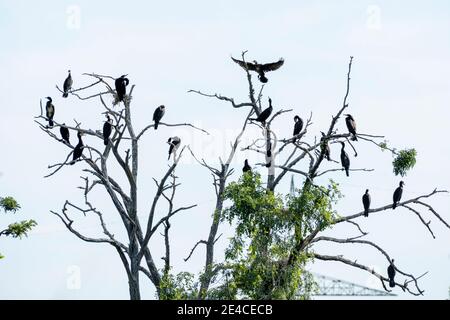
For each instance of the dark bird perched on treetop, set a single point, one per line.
(351, 126)
(260, 69)
(398, 194)
(174, 143)
(67, 85)
(391, 274)
(325, 147)
(121, 87)
(263, 116)
(158, 114)
(78, 151)
(298, 125)
(366, 202)
(246, 167)
(345, 160)
(65, 134)
(107, 129)
(49, 111)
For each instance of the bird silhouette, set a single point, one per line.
(260, 69)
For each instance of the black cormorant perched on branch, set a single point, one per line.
(351, 126)
(67, 85)
(78, 151)
(65, 134)
(246, 167)
(158, 114)
(391, 274)
(49, 111)
(325, 147)
(298, 125)
(263, 116)
(174, 143)
(121, 86)
(398, 194)
(345, 160)
(366, 202)
(107, 129)
(260, 69)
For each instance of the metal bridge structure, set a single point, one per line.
(328, 286)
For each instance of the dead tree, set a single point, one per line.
(122, 151)
(311, 155)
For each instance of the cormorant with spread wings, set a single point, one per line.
(259, 68)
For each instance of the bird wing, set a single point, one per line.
(298, 127)
(353, 123)
(272, 66)
(156, 114)
(67, 83)
(245, 65)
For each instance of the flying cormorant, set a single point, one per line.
(107, 129)
(260, 69)
(158, 114)
(49, 111)
(351, 126)
(174, 143)
(67, 85)
(345, 160)
(121, 86)
(65, 134)
(398, 194)
(366, 203)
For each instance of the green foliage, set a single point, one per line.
(261, 260)
(9, 204)
(20, 229)
(179, 287)
(404, 161)
(17, 229)
(383, 145)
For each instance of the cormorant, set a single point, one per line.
(107, 129)
(366, 202)
(121, 86)
(263, 116)
(49, 111)
(174, 143)
(398, 194)
(345, 160)
(391, 274)
(65, 134)
(158, 114)
(298, 125)
(351, 126)
(78, 151)
(325, 147)
(260, 69)
(67, 85)
(246, 167)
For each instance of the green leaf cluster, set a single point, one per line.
(404, 161)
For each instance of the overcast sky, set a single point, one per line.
(400, 89)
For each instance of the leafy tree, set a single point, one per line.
(275, 235)
(17, 229)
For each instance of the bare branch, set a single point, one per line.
(193, 249)
(171, 125)
(220, 97)
(426, 224)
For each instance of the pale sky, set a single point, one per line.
(399, 89)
